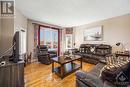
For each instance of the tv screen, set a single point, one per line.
(15, 55)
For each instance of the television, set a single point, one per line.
(18, 47)
(15, 57)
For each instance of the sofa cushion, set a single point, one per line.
(97, 69)
(108, 84)
(87, 55)
(97, 57)
(80, 53)
(92, 49)
(102, 52)
(89, 79)
(81, 49)
(103, 46)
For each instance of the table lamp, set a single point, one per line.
(122, 46)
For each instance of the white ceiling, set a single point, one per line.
(68, 13)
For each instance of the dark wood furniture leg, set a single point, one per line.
(62, 71)
(72, 65)
(52, 66)
(81, 63)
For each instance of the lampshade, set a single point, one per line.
(122, 46)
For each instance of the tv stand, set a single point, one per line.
(11, 74)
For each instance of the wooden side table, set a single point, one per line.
(125, 53)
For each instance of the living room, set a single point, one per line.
(64, 43)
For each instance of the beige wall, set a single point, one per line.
(0, 34)
(0, 29)
(30, 36)
(20, 21)
(7, 31)
(8, 27)
(115, 30)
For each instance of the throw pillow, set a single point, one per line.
(92, 49)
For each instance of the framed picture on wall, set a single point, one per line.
(69, 30)
(93, 34)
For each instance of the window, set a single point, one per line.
(49, 37)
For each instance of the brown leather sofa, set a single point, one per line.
(98, 77)
(93, 53)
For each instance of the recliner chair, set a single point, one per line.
(43, 55)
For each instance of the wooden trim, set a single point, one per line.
(39, 35)
(58, 42)
(49, 27)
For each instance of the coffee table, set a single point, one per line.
(67, 65)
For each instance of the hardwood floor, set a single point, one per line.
(40, 75)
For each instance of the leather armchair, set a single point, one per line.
(43, 55)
